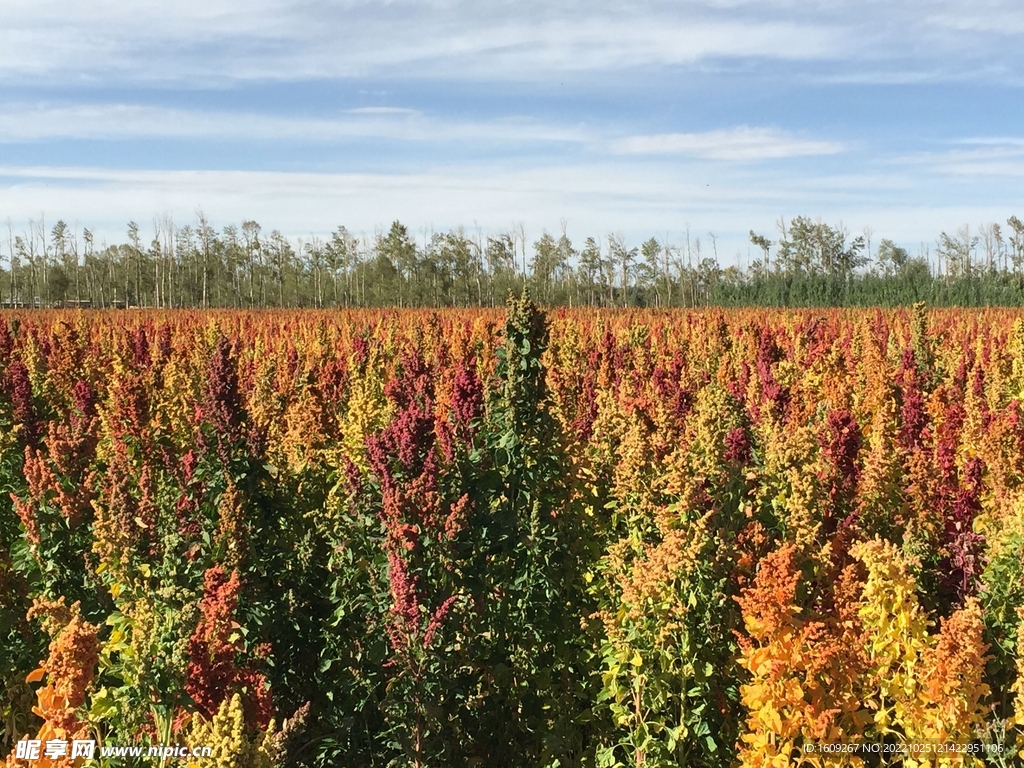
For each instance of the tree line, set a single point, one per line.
(808, 263)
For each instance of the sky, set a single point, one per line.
(707, 117)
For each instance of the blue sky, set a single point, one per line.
(640, 118)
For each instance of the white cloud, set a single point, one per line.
(992, 141)
(383, 111)
(1000, 19)
(223, 40)
(972, 158)
(742, 143)
(20, 122)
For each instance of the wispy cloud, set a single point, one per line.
(991, 141)
(742, 143)
(971, 158)
(383, 111)
(227, 40)
(20, 123)
(224, 40)
(1001, 20)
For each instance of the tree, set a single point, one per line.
(164, 272)
(547, 265)
(342, 256)
(812, 247)
(623, 259)
(566, 255)
(399, 249)
(708, 275)
(206, 237)
(187, 251)
(131, 253)
(65, 253)
(591, 268)
(467, 266)
(956, 252)
(437, 267)
(1016, 243)
(282, 259)
(90, 285)
(314, 253)
(847, 257)
(234, 257)
(798, 251)
(501, 264)
(992, 239)
(384, 278)
(38, 229)
(891, 258)
(651, 252)
(253, 258)
(764, 244)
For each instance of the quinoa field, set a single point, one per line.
(514, 538)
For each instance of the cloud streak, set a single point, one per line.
(20, 123)
(973, 158)
(226, 40)
(229, 40)
(736, 144)
(25, 123)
